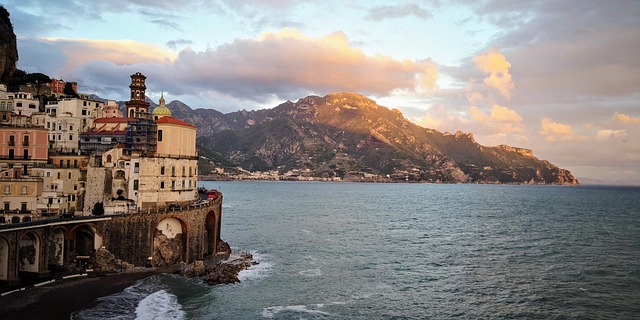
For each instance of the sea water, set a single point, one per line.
(411, 251)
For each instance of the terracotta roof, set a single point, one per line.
(172, 120)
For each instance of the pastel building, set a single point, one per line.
(143, 161)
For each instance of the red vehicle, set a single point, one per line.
(212, 195)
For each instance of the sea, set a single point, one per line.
(338, 250)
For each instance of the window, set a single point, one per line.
(32, 106)
(48, 174)
(135, 184)
(136, 167)
(70, 127)
(75, 163)
(25, 154)
(6, 206)
(162, 170)
(19, 104)
(12, 141)
(68, 163)
(84, 112)
(25, 140)
(108, 158)
(173, 171)
(7, 189)
(161, 184)
(173, 185)
(190, 172)
(61, 163)
(58, 175)
(24, 190)
(70, 137)
(159, 135)
(69, 175)
(183, 171)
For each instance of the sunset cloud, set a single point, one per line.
(288, 64)
(555, 131)
(607, 134)
(625, 118)
(496, 65)
(79, 52)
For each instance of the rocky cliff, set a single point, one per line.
(8, 47)
(346, 134)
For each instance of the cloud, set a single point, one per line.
(79, 52)
(496, 65)
(625, 118)
(398, 11)
(285, 65)
(555, 131)
(504, 114)
(607, 134)
(174, 44)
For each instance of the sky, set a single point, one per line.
(559, 77)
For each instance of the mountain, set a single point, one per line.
(347, 135)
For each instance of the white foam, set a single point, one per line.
(269, 312)
(159, 305)
(311, 272)
(259, 271)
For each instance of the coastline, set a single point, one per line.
(59, 299)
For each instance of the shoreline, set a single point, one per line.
(60, 299)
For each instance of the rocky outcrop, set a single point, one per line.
(167, 252)
(8, 47)
(222, 273)
(103, 261)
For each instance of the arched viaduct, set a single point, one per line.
(38, 248)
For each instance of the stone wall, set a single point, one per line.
(132, 237)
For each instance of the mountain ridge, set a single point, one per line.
(343, 134)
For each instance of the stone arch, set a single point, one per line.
(169, 242)
(29, 252)
(56, 249)
(81, 241)
(4, 258)
(211, 234)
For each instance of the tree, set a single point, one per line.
(68, 90)
(98, 209)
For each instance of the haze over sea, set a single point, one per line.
(411, 251)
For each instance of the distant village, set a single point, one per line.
(64, 154)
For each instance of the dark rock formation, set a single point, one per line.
(8, 47)
(222, 273)
(167, 252)
(103, 260)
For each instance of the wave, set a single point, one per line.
(269, 312)
(159, 305)
(259, 271)
(145, 299)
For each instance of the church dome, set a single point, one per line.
(162, 109)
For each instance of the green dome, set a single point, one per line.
(162, 109)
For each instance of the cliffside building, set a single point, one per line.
(143, 161)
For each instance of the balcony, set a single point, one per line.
(12, 143)
(25, 143)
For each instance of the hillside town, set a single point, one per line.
(65, 155)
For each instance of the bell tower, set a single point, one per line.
(137, 107)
